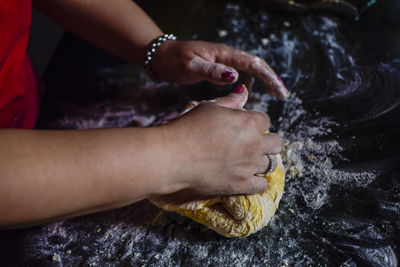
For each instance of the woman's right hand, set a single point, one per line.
(218, 147)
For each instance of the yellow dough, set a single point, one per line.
(232, 216)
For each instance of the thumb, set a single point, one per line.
(236, 100)
(212, 72)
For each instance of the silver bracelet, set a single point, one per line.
(152, 48)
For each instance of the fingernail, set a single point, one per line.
(239, 89)
(228, 75)
(284, 92)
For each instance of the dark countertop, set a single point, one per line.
(344, 112)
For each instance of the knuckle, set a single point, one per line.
(186, 64)
(251, 123)
(255, 145)
(210, 69)
(240, 52)
(223, 46)
(240, 61)
(239, 120)
(256, 59)
(252, 138)
(263, 117)
(252, 148)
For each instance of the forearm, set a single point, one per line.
(118, 26)
(57, 174)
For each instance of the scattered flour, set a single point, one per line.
(312, 157)
(130, 236)
(308, 157)
(56, 257)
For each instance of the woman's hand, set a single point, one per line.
(217, 148)
(193, 61)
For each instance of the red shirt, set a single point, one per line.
(18, 92)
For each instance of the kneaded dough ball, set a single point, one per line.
(232, 216)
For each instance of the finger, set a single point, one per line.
(252, 185)
(262, 165)
(238, 212)
(271, 144)
(254, 65)
(258, 67)
(212, 71)
(247, 79)
(235, 100)
(262, 119)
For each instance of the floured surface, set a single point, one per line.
(341, 201)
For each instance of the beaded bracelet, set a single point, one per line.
(152, 49)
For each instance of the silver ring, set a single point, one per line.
(273, 163)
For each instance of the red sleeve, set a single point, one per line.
(18, 92)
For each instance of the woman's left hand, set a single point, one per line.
(189, 62)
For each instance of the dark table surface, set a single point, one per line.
(342, 197)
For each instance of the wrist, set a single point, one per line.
(153, 49)
(167, 170)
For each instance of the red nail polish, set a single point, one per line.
(239, 89)
(279, 78)
(228, 75)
